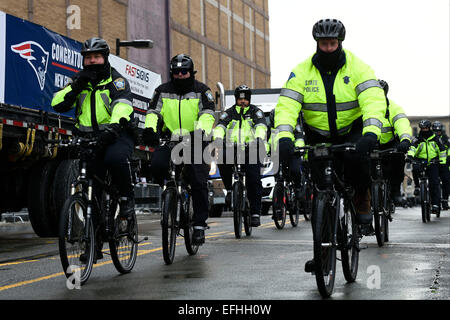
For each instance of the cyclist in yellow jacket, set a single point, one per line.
(427, 148)
(102, 101)
(341, 101)
(396, 133)
(243, 123)
(444, 160)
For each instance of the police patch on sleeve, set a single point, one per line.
(260, 114)
(119, 83)
(223, 116)
(209, 95)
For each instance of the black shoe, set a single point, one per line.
(126, 207)
(255, 220)
(309, 266)
(416, 191)
(445, 205)
(198, 237)
(367, 229)
(435, 209)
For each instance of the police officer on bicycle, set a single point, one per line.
(427, 148)
(341, 101)
(181, 107)
(396, 133)
(444, 159)
(103, 106)
(243, 123)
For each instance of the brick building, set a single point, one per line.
(228, 39)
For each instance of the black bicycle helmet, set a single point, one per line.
(243, 91)
(95, 45)
(384, 85)
(436, 126)
(182, 62)
(425, 124)
(329, 28)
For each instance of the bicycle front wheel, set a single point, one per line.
(424, 202)
(247, 219)
(378, 213)
(76, 242)
(169, 224)
(324, 249)
(294, 212)
(189, 227)
(123, 243)
(349, 243)
(279, 206)
(237, 209)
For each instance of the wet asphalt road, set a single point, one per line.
(269, 265)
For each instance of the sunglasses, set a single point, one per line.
(177, 71)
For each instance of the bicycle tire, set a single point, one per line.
(308, 202)
(423, 201)
(348, 229)
(247, 219)
(237, 209)
(378, 214)
(188, 229)
(324, 250)
(72, 245)
(168, 224)
(294, 212)
(279, 206)
(123, 245)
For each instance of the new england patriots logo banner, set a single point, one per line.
(36, 56)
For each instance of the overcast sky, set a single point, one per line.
(406, 42)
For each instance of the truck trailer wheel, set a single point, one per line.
(41, 213)
(66, 173)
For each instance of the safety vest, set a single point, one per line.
(395, 124)
(427, 149)
(97, 107)
(182, 113)
(241, 126)
(356, 92)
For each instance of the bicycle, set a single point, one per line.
(284, 199)
(90, 217)
(382, 204)
(333, 218)
(425, 197)
(239, 202)
(176, 211)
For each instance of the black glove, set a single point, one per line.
(109, 135)
(285, 149)
(150, 137)
(82, 79)
(366, 144)
(403, 146)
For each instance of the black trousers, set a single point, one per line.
(197, 177)
(433, 177)
(115, 157)
(444, 174)
(252, 181)
(394, 168)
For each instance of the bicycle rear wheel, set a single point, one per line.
(76, 246)
(169, 224)
(349, 244)
(279, 206)
(237, 209)
(123, 243)
(378, 213)
(188, 212)
(324, 249)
